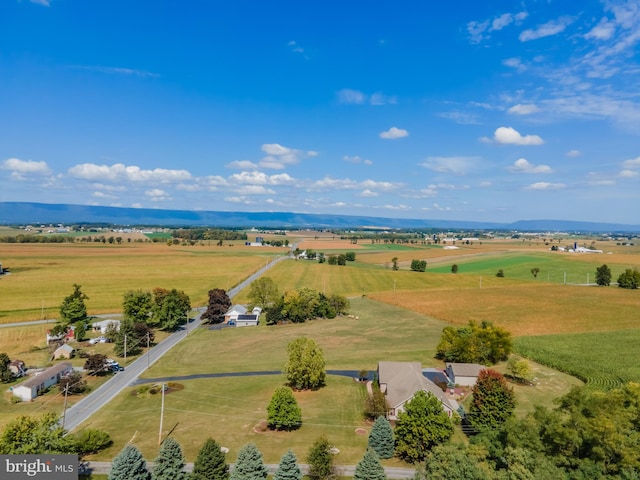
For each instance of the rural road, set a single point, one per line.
(85, 408)
(342, 470)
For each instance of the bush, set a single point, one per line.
(418, 265)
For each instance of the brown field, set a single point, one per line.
(528, 309)
(43, 274)
(328, 244)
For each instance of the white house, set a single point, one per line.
(29, 389)
(234, 312)
(103, 325)
(464, 374)
(400, 381)
(249, 319)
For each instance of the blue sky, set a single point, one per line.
(473, 110)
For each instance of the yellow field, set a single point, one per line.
(43, 274)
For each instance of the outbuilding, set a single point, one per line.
(29, 389)
(464, 374)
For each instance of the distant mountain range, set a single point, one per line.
(23, 213)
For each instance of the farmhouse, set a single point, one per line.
(400, 381)
(63, 351)
(29, 389)
(103, 325)
(464, 374)
(238, 316)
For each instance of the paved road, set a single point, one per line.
(85, 408)
(342, 470)
(196, 376)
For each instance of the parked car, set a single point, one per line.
(93, 341)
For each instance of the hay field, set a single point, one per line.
(43, 274)
(527, 309)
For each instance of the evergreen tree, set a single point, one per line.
(422, 425)
(370, 467)
(493, 401)
(288, 468)
(169, 465)
(283, 412)
(320, 460)
(129, 465)
(249, 465)
(210, 463)
(73, 308)
(381, 438)
(126, 334)
(603, 275)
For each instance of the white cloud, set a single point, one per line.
(456, 165)
(157, 195)
(479, 31)
(241, 165)
(260, 178)
(356, 159)
(522, 165)
(514, 62)
(120, 172)
(633, 163)
(546, 186)
(548, 29)
(461, 118)
(573, 153)
(603, 31)
(103, 195)
(20, 169)
(523, 109)
(116, 71)
(278, 156)
(369, 193)
(295, 47)
(254, 190)
(348, 96)
(394, 133)
(510, 136)
(628, 173)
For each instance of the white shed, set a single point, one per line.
(464, 374)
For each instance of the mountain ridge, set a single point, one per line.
(13, 213)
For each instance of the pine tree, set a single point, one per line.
(169, 465)
(129, 465)
(288, 468)
(283, 412)
(249, 465)
(381, 438)
(210, 463)
(370, 467)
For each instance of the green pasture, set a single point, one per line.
(553, 267)
(602, 360)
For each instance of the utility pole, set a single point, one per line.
(480, 282)
(125, 349)
(148, 351)
(161, 417)
(64, 410)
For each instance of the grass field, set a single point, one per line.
(43, 274)
(603, 360)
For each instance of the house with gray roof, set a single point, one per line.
(400, 381)
(29, 389)
(464, 374)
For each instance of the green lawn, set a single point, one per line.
(603, 360)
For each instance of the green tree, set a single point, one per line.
(249, 465)
(31, 435)
(169, 464)
(535, 271)
(474, 343)
(288, 468)
(520, 369)
(283, 412)
(90, 440)
(96, 363)
(129, 465)
(219, 304)
(171, 308)
(210, 463)
(493, 401)
(300, 305)
(305, 369)
(452, 462)
(126, 340)
(454, 268)
(342, 259)
(136, 305)
(263, 292)
(370, 468)
(350, 256)
(394, 262)
(320, 460)
(376, 404)
(72, 383)
(5, 372)
(500, 273)
(629, 279)
(418, 265)
(603, 275)
(422, 426)
(73, 308)
(381, 438)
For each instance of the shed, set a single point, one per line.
(63, 351)
(18, 368)
(29, 389)
(103, 325)
(464, 374)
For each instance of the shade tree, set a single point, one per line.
(305, 367)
